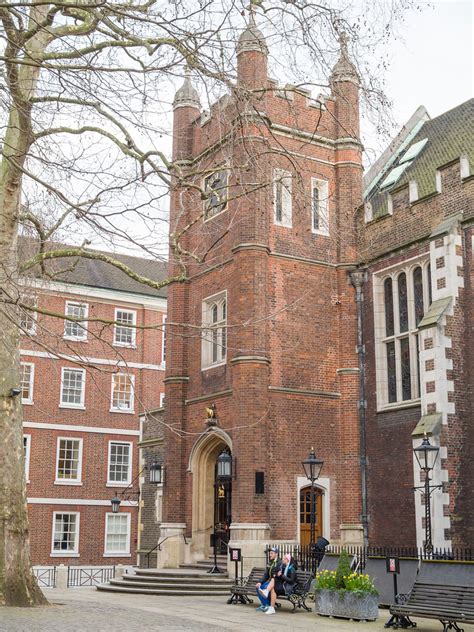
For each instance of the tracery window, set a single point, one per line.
(403, 299)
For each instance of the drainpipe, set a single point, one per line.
(358, 278)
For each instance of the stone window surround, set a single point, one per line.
(207, 344)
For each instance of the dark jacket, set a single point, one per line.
(290, 579)
(272, 569)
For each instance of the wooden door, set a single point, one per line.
(305, 515)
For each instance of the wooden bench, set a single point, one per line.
(449, 604)
(244, 590)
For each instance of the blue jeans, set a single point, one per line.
(265, 601)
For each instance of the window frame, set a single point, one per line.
(75, 552)
(69, 481)
(82, 324)
(27, 455)
(33, 316)
(411, 333)
(111, 483)
(286, 215)
(207, 345)
(131, 409)
(323, 206)
(123, 553)
(224, 203)
(63, 404)
(29, 400)
(163, 340)
(162, 400)
(133, 343)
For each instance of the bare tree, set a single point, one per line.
(85, 100)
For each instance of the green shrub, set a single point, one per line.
(343, 569)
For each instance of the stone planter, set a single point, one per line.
(346, 605)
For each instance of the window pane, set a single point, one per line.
(72, 386)
(122, 392)
(117, 534)
(418, 364)
(418, 294)
(65, 532)
(119, 467)
(316, 214)
(74, 329)
(403, 301)
(216, 189)
(25, 381)
(124, 332)
(388, 301)
(278, 201)
(68, 459)
(430, 297)
(405, 368)
(391, 372)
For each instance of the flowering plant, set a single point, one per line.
(344, 580)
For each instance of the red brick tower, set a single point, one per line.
(270, 335)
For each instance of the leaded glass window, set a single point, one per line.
(391, 372)
(388, 298)
(403, 301)
(418, 294)
(405, 368)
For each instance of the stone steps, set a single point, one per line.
(188, 580)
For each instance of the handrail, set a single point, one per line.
(158, 546)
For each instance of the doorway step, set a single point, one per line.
(180, 582)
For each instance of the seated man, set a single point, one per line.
(280, 584)
(273, 568)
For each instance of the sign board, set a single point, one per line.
(235, 555)
(392, 565)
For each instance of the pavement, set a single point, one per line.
(87, 610)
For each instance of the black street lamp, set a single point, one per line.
(426, 456)
(115, 502)
(157, 473)
(223, 476)
(312, 468)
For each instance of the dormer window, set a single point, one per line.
(215, 187)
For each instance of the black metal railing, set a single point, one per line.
(308, 559)
(89, 576)
(46, 577)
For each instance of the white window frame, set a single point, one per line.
(132, 344)
(75, 552)
(29, 399)
(111, 483)
(81, 404)
(31, 331)
(207, 343)
(323, 206)
(163, 341)
(207, 207)
(27, 455)
(126, 552)
(381, 339)
(117, 409)
(162, 400)
(69, 481)
(82, 324)
(283, 183)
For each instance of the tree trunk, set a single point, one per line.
(18, 586)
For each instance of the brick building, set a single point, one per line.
(83, 387)
(416, 241)
(282, 326)
(274, 302)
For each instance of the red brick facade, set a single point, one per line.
(95, 424)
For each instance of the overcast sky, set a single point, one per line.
(433, 66)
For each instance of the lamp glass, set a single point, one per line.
(312, 466)
(224, 465)
(156, 473)
(426, 454)
(115, 502)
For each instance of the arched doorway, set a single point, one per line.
(210, 505)
(305, 514)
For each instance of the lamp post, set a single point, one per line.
(312, 468)
(426, 456)
(223, 475)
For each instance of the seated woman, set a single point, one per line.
(281, 584)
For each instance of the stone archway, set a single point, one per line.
(202, 461)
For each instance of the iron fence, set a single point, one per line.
(46, 577)
(308, 559)
(89, 576)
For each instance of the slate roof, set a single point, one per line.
(450, 136)
(100, 274)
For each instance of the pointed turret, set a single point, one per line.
(252, 53)
(345, 82)
(186, 106)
